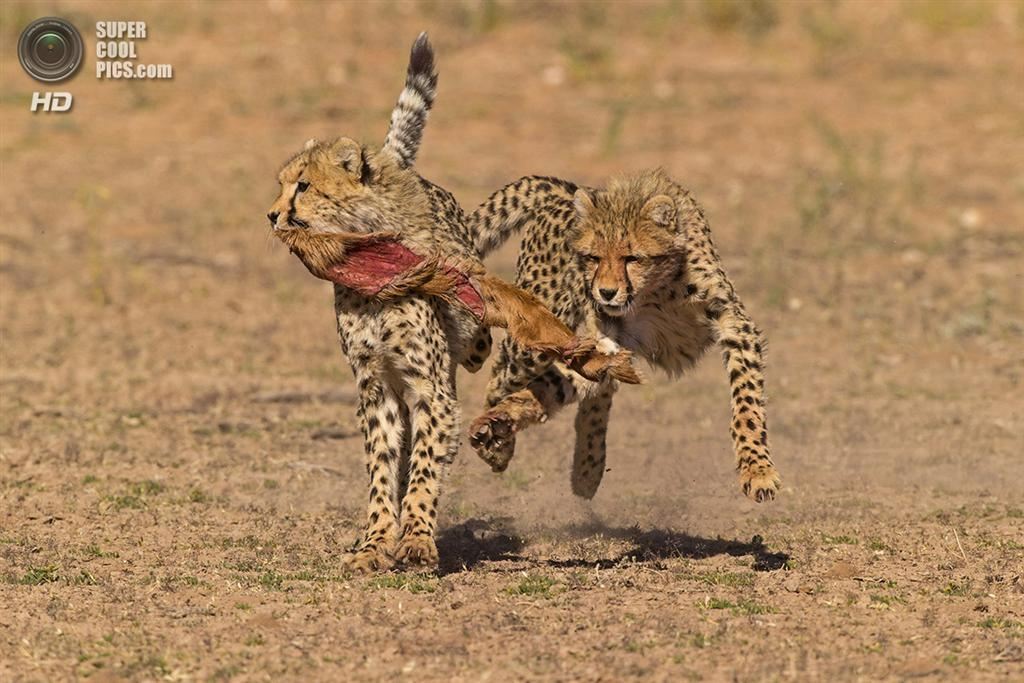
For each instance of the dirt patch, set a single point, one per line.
(179, 462)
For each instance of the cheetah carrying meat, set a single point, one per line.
(403, 350)
(636, 264)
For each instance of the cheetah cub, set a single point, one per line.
(634, 262)
(404, 346)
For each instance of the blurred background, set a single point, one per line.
(860, 164)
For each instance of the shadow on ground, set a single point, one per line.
(466, 545)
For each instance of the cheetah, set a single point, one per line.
(635, 263)
(403, 350)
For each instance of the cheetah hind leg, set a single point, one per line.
(481, 349)
(588, 463)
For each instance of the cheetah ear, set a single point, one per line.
(583, 202)
(661, 210)
(311, 143)
(348, 154)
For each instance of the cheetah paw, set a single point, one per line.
(368, 559)
(493, 437)
(417, 551)
(760, 483)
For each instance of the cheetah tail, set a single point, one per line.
(409, 116)
(506, 211)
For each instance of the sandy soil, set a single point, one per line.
(179, 464)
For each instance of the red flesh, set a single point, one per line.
(371, 266)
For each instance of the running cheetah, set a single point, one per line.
(403, 349)
(636, 263)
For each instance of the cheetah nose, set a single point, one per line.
(273, 217)
(608, 294)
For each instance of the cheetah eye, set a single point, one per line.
(630, 259)
(301, 186)
(589, 258)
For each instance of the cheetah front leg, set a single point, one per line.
(742, 351)
(380, 418)
(591, 430)
(435, 429)
(493, 434)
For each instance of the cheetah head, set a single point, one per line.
(340, 185)
(626, 242)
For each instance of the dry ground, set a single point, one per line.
(179, 465)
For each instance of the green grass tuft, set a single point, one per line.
(197, 495)
(93, 551)
(887, 600)
(533, 585)
(958, 589)
(1001, 623)
(739, 607)
(271, 580)
(723, 578)
(37, 576)
(136, 496)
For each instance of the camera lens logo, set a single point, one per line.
(50, 49)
